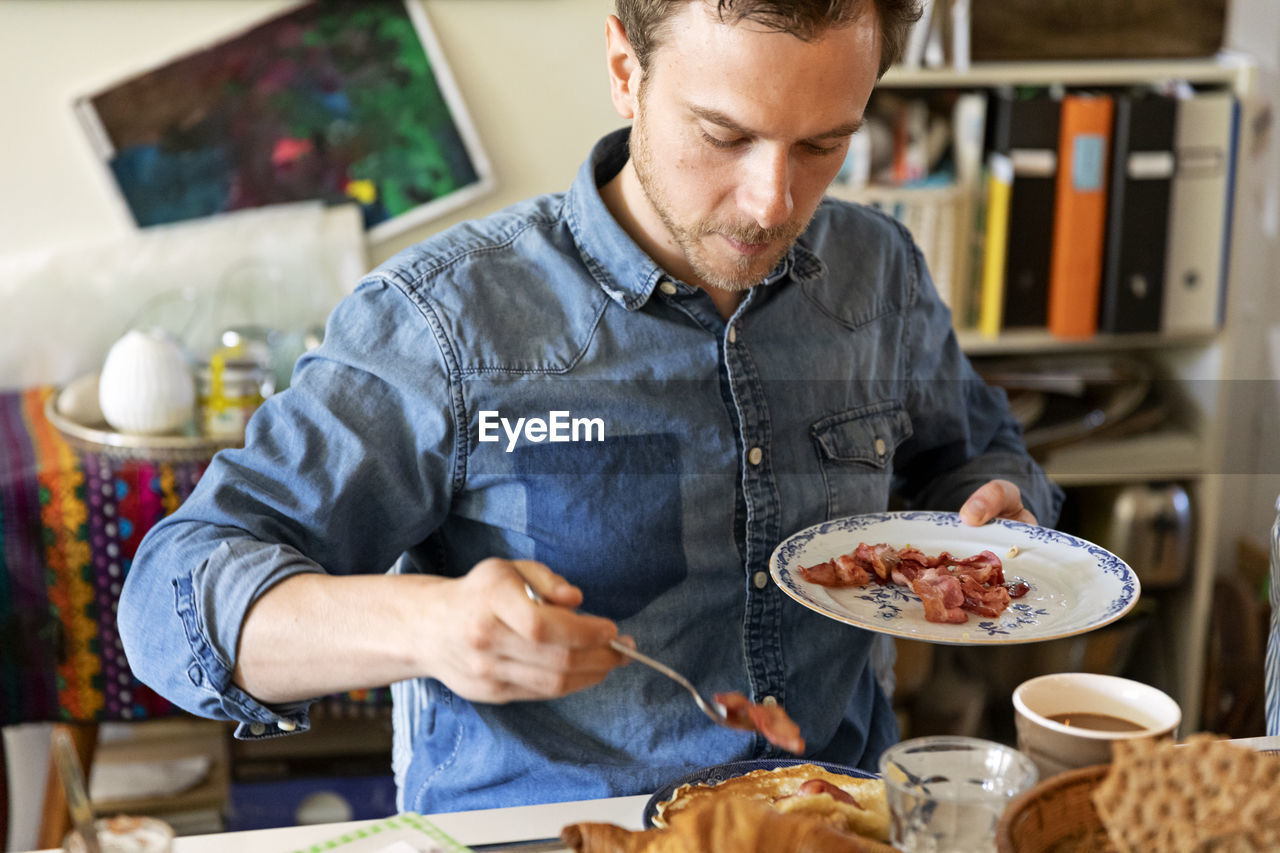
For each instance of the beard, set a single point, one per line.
(735, 273)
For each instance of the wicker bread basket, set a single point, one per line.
(1056, 816)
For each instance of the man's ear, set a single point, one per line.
(624, 70)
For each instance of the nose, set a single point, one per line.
(765, 193)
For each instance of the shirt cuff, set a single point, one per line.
(212, 631)
(270, 720)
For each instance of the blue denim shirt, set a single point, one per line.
(701, 444)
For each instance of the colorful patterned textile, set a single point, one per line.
(70, 523)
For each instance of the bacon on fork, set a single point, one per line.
(769, 720)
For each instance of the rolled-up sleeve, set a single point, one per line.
(964, 432)
(341, 474)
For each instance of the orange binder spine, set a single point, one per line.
(1079, 226)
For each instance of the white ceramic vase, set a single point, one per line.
(146, 386)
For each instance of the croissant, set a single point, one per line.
(724, 825)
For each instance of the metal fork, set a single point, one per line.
(714, 710)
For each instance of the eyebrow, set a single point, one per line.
(718, 118)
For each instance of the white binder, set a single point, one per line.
(1200, 213)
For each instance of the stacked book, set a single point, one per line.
(1075, 212)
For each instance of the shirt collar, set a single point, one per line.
(622, 269)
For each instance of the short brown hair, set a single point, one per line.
(645, 20)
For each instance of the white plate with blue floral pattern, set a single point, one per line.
(1075, 585)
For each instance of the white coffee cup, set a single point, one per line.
(1089, 700)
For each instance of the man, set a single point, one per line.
(627, 395)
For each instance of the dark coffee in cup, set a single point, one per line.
(1097, 722)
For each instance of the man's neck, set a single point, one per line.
(617, 195)
(726, 301)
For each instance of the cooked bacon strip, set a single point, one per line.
(915, 555)
(905, 575)
(983, 600)
(883, 559)
(947, 585)
(769, 720)
(941, 595)
(984, 575)
(814, 787)
(986, 564)
(844, 570)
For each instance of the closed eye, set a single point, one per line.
(717, 142)
(822, 150)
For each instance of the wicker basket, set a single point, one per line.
(1056, 816)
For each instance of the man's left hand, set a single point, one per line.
(996, 499)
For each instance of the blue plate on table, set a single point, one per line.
(721, 772)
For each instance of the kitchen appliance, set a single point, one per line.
(1148, 525)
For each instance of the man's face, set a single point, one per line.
(737, 133)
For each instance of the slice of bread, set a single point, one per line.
(1201, 795)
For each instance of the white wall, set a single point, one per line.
(530, 71)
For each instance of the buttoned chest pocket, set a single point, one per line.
(855, 450)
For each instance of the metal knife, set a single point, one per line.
(533, 845)
(64, 756)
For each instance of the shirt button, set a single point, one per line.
(881, 447)
(770, 701)
(755, 455)
(286, 725)
(760, 579)
(257, 728)
(733, 334)
(667, 288)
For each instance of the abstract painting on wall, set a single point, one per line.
(337, 100)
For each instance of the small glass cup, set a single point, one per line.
(125, 834)
(946, 794)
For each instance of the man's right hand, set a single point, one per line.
(313, 634)
(488, 642)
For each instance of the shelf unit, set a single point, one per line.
(1227, 68)
(1040, 342)
(1189, 449)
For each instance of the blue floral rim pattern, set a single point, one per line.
(888, 609)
